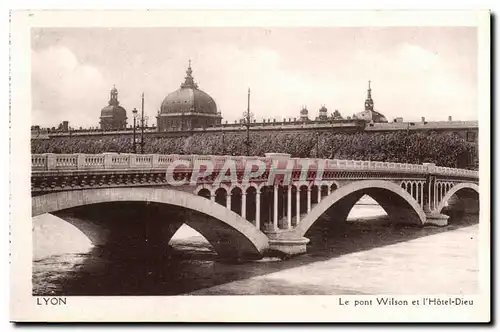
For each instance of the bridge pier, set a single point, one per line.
(288, 247)
(436, 219)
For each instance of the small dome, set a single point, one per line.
(112, 110)
(369, 116)
(188, 98)
(113, 116)
(304, 111)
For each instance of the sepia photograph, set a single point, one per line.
(224, 162)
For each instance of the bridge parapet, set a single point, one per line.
(110, 161)
(439, 170)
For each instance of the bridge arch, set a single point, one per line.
(254, 185)
(394, 199)
(468, 192)
(229, 233)
(204, 186)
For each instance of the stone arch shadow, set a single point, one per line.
(399, 205)
(463, 197)
(230, 235)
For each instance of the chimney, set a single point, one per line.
(423, 119)
(449, 118)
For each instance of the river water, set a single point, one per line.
(364, 255)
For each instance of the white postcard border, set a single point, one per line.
(224, 308)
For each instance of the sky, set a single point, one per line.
(416, 72)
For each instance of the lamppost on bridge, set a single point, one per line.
(134, 141)
(407, 157)
(70, 145)
(317, 144)
(247, 116)
(223, 146)
(142, 124)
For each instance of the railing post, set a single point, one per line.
(51, 161)
(108, 160)
(80, 161)
(131, 160)
(155, 161)
(431, 167)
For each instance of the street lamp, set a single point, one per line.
(142, 124)
(134, 144)
(317, 144)
(247, 120)
(70, 145)
(223, 147)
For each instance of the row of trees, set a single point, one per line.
(444, 149)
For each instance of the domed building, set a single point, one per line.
(113, 116)
(369, 114)
(323, 113)
(304, 114)
(188, 108)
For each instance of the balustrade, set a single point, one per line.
(39, 162)
(51, 161)
(95, 161)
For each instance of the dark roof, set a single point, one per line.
(112, 110)
(188, 99)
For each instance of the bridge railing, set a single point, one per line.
(456, 171)
(373, 165)
(55, 162)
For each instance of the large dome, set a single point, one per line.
(188, 99)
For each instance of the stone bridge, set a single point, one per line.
(246, 207)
